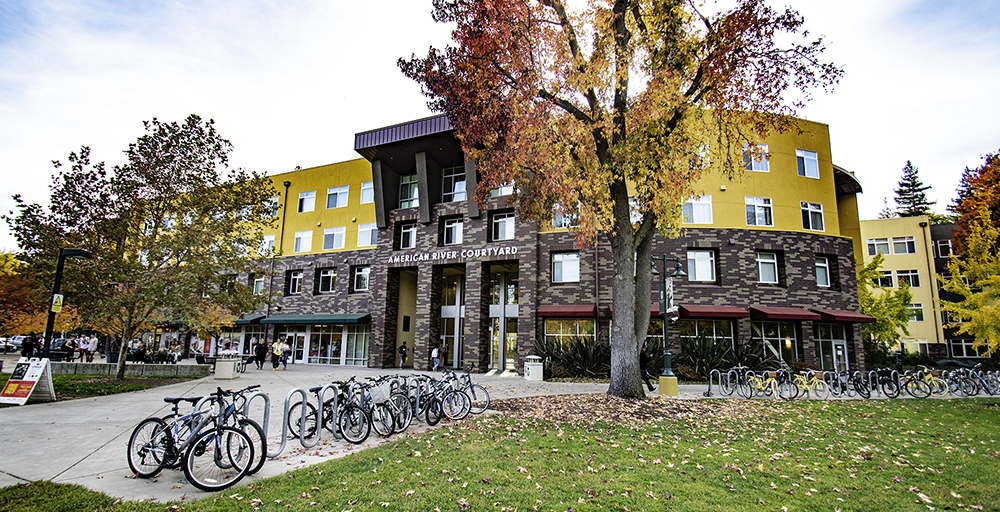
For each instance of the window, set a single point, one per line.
(367, 192)
(767, 267)
(359, 279)
(701, 265)
(267, 244)
(565, 331)
(294, 282)
(148, 226)
(886, 280)
(503, 226)
(336, 197)
(333, 238)
(408, 236)
(718, 331)
(910, 277)
(778, 337)
(367, 234)
(759, 211)
(904, 245)
(503, 190)
(812, 216)
(307, 201)
(822, 271)
(951, 318)
(943, 248)
(258, 285)
(303, 241)
(408, 193)
(169, 221)
(564, 219)
(964, 348)
(453, 184)
(271, 206)
(754, 164)
(566, 267)
(878, 246)
(452, 231)
(697, 210)
(916, 312)
(808, 163)
(327, 280)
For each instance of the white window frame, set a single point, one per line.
(307, 201)
(822, 271)
(303, 241)
(367, 192)
(762, 209)
(367, 234)
(907, 243)
(807, 163)
(272, 205)
(886, 275)
(912, 277)
(453, 232)
(453, 185)
(338, 195)
(503, 190)
(330, 273)
(503, 226)
(258, 285)
(812, 214)
(409, 192)
(944, 248)
(754, 165)
(566, 267)
(564, 220)
(767, 259)
(408, 236)
(878, 246)
(697, 210)
(267, 244)
(295, 278)
(334, 238)
(701, 265)
(967, 348)
(916, 312)
(361, 279)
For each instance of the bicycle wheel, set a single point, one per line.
(743, 388)
(890, 387)
(480, 399)
(938, 386)
(401, 407)
(295, 418)
(787, 390)
(917, 388)
(968, 387)
(218, 458)
(148, 446)
(382, 420)
(179, 433)
(861, 387)
(455, 404)
(256, 434)
(354, 424)
(820, 390)
(433, 411)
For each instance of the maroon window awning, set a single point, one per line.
(782, 314)
(713, 312)
(568, 311)
(836, 315)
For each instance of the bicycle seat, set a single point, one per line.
(315, 389)
(177, 400)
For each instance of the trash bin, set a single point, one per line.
(533, 369)
(225, 369)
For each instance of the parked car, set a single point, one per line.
(7, 346)
(16, 341)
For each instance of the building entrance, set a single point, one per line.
(295, 336)
(503, 316)
(452, 316)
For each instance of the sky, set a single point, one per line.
(289, 82)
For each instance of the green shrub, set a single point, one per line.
(752, 354)
(703, 355)
(582, 356)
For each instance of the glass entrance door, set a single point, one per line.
(503, 317)
(452, 314)
(295, 336)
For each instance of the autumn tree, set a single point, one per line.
(170, 230)
(626, 99)
(890, 308)
(911, 199)
(979, 188)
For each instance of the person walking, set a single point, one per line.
(436, 357)
(260, 354)
(276, 350)
(402, 354)
(285, 355)
(644, 367)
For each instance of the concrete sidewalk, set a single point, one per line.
(84, 441)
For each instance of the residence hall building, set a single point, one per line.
(389, 249)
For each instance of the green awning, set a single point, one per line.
(249, 319)
(318, 319)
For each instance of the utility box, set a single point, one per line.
(533, 369)
(225, 369)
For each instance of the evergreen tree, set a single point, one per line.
(886, 213)
(965, 189)
(910, 198)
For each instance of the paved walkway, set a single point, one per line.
(84, 441)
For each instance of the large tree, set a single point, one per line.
(169, 229)
(890, 308)
(629, 99)
(978, 189)
(911, 199)
(975, 277)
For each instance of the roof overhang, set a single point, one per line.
(783, 314)
(318, 319)
(834, 315)
(713, 312)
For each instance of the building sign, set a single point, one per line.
(57, 303)
(30, 379)
(486, 252)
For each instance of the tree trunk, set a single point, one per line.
(123, 351)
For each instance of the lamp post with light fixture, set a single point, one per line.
(668, 381)
(56, 304)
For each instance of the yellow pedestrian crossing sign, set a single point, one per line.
(57, 303)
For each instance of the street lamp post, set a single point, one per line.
(668, 308)
(80, 254)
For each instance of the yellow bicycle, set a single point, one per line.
(813, 385)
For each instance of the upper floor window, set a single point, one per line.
(359, 282)
(327, 280)
(561, 219)
(701, 265)
(408, 193)
(408, 236)
(904, 245)
(336, 197)
(503, 226)
(271, 206)
(303, 241)
(910, 277)
(502, 190)
(885, 280)
(307, 201)
(767, 267)
(878, 246)
(822, 271)
(698, 210)
(267, 244)
(294, 282)
(367, 234)
(916, 312)
(258, 284)
(452, 231)
(367, 192)
(808, 163)
(759, 211)
(169, 221)
(566, 267)
(334, 238)
(812, 216)
(453, 185)
(943, 248)
(758, 164)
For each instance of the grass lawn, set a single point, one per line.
(83, 386)
(596, 453)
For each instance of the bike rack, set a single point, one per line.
(302, 431)
(719, 380)
(267, 408)
(876, 387)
